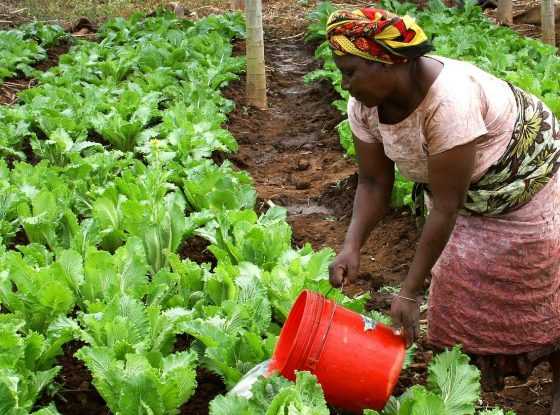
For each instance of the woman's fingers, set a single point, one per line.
(337, 274)
(409, 335)
(405, 330)
(397, 325)
(413, 331)
(344, 268)
(405, 320)
(351, 272)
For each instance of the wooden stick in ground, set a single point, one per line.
(177, 8)
(256, 74)
(237, 5)
(505, 12)
(548, 23)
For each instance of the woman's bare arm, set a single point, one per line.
(449, 174)
(371, 203)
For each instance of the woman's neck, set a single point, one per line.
(416, 80)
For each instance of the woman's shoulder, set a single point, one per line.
(464, 74)
(364, 121)
(462, 82)
(359, 111)
(454, 64)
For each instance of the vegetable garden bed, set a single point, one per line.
(139, 312)
(37, 48)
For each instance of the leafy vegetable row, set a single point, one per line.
(22, 47)
(108, 172)
(464, 34)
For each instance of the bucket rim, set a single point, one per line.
(395, 372)
(301, 304)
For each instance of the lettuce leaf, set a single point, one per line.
(458, 383)
(276, 396)
(142, 383)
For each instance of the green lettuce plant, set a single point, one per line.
(276, 396)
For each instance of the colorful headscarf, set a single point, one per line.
(376, 35)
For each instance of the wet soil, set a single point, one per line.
(74, 390)
(209, 386)
(195, 248)
(75, 394)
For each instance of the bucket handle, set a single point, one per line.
(314, 357)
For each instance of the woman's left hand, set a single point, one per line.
(406, 315)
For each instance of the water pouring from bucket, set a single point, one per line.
(356, 360)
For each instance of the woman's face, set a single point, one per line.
(369, 82)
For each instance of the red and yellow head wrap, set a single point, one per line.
(376, 35)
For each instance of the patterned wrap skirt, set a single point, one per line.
(496, 287)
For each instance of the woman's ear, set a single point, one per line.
(386, 67)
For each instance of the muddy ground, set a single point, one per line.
(292, 152)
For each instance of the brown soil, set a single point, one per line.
(196, 249)
(526, 19)
(76, 394)
(209, 386)
(12, 14)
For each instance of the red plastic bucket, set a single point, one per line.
(356, 360)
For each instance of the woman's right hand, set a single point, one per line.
(345, 267)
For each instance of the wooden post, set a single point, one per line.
(547, 22)
(256, 74)
(237, 4)
(177, 8)
(505, 12)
